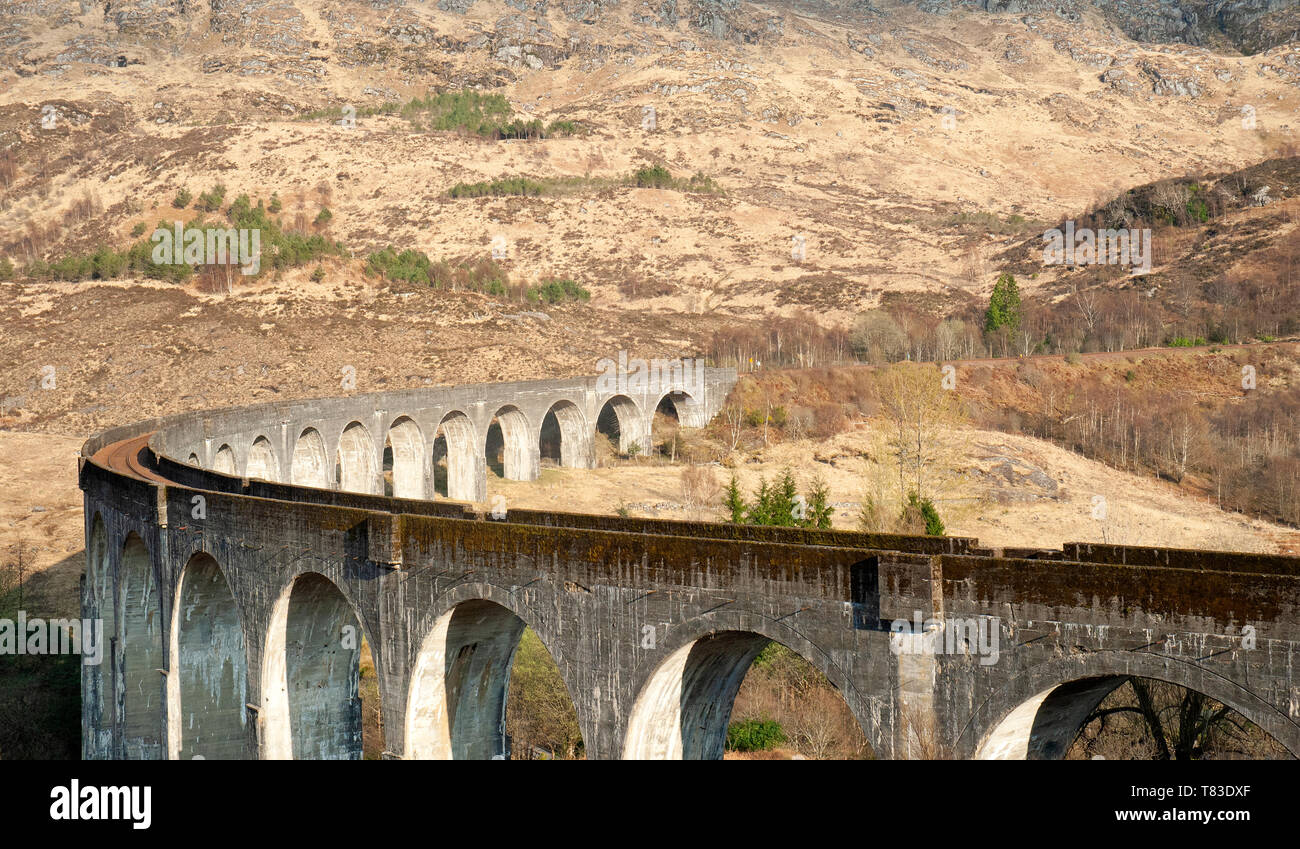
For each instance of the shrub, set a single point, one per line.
(6, 269)
(211, 200)
(324, 216)
(239, 209)
(274, 206)
(557, 292)
(107, 264)
(467, 111)
(653, 177)
(920, 512)
(510, 186)
(318, 275)
(182, 199)
(410, 266)
(870, 517)
(138, 229)
(754, 735)
(563, 128)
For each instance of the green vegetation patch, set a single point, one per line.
(754, 735)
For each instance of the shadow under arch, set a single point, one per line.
(621, 421)
(311, 673)
(458, 691)
(508, 436)
(563, 436)
(688, 411)
(142, 683)
(683, 703)
(1040, 713)
(208, 682)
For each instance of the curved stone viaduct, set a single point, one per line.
(237, 557)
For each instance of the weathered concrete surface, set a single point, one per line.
(651, 624)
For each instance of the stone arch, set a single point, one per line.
(99, 679)
(224, 462)
(193, 460)
(262, 462)
(141, 680)
(683, 703)
(622, 421)
(464, 459)
(405, 442)
(688, 411)
(1039, 713)
(356, 469)
(309, 466)
(565, 437)
(458, 691)
(311, 704)
(519, 455)
(208, 681)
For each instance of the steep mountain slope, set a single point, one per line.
(870, 135)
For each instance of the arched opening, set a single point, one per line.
(665, 427)
(459, 693)
(1127, 718)
(261, 461)
(308, 467)
(207, 684)
(439, 465)
(143, 687)
(193, 460)
(404, 460)
(684, 710)
(99, 678)
(455, 457)
(355, 469)
(224, 462)
(620, 423)
(311, 675)
(564, 439)
(494, 448)
(508, 448)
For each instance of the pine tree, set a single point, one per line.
(1004, 305)
(735, 502)
(819, 508)
(784, 495)
(760, 512)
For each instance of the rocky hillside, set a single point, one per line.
(850, 149)
(115, 34)
(1245, 25)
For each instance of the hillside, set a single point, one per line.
(908, 145)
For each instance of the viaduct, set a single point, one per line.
(237, 557)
